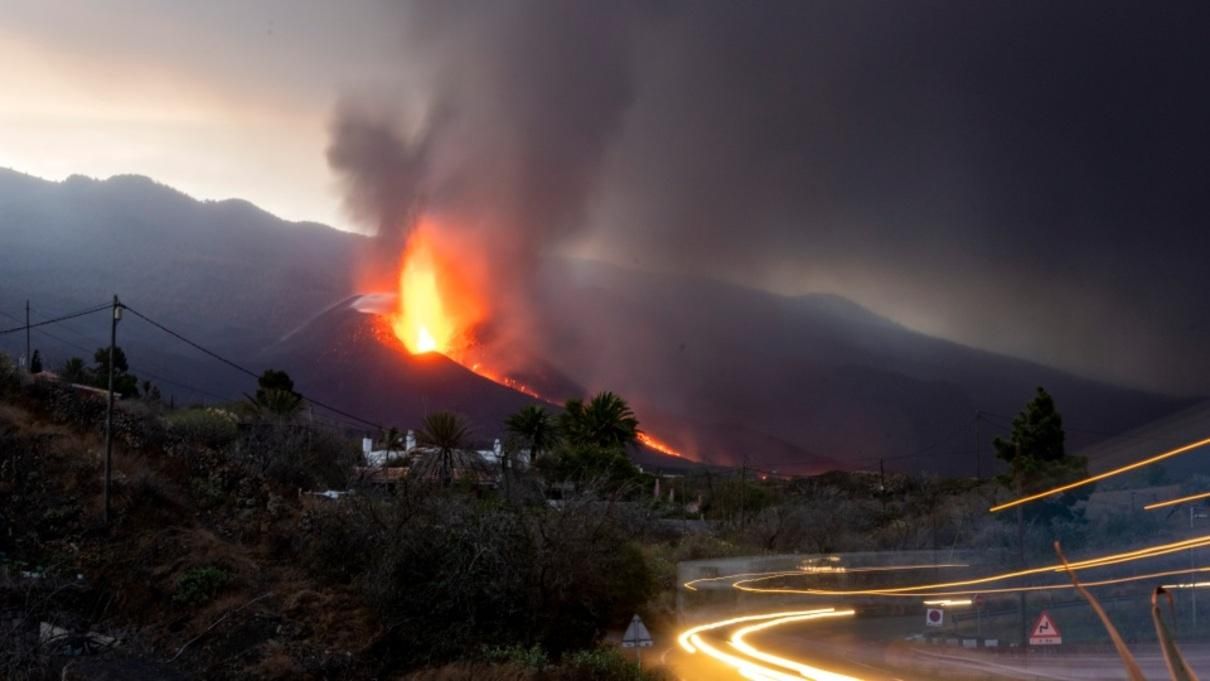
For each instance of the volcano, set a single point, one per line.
(725, 373)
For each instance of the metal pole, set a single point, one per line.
(978, 450)
(114, 316)
(743, 489)
(1021, 548)
(28, 357)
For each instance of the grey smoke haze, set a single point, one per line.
(1029, 177)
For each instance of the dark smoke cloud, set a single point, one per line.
(1028, 176)
(516, 106)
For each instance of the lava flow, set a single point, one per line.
(439, 309)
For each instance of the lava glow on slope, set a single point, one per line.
(440, 308)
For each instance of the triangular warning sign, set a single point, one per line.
(636, 634)
(1045, 632)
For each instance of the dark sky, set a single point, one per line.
(1026, 177)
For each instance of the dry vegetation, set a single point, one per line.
(215, 566)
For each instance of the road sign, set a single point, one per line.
(1045, 633)
(934, 617)
(636, 635)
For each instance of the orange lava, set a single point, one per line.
(659, 445)
(441, 303)
(438, 305)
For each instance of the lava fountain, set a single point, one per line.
(441, 305)
(438, 309)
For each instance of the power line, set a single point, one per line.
(245, 370)
(190, 343)
(56, 320)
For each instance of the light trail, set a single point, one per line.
(1004, 590)
(1086, 564)
(691, 585)
(755, 665)
(950, 602)
(1187, 585)
(1174, 502)
(825, 570)
(815, 673)
(1101, 476)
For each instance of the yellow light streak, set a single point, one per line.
(691, 585)
(814, 673)
(1086, 564)
(1174, 502)
(1187, 585)
(1101, 476)
(757, 668)
(1005, 590)
(950, 602)
(684, 639)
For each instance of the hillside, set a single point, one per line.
(725, 372)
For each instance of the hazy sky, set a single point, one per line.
(219, 99)
(1027, 177)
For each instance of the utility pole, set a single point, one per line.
(28, 357)
(978, 450)
(1192, 575)
(743, 490)
(1019, 482)
(116, 314)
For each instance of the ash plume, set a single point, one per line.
(503, 140)
(1021, 177)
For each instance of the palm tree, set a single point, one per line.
(74, 371)
(447, 433)
(534, 426)
(275, 397)
(606, 421)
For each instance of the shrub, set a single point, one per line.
(200, 585)
(531, 657)
(210, 427)
(601, 664)
(449, 572)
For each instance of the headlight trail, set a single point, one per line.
(1086, 564)
(814, 673)
(950, 602)
(1101, 476)
(1174, 502)
(1002, 590)
(691, 585)
(755, 665)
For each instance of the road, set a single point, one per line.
(857, 637)
(826, 649)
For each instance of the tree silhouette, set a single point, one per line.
(534, 426)
(74, 371)
(35, 363)
(605, 421)
(275, 395)
(448, 433)
(1036, 452)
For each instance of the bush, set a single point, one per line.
(601, 664)
(10, 380)
(297, 455)
(449, 573)
(210, 427)
(200, 585)
(531, 657)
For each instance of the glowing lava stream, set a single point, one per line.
(754, 663)
(439, 308)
